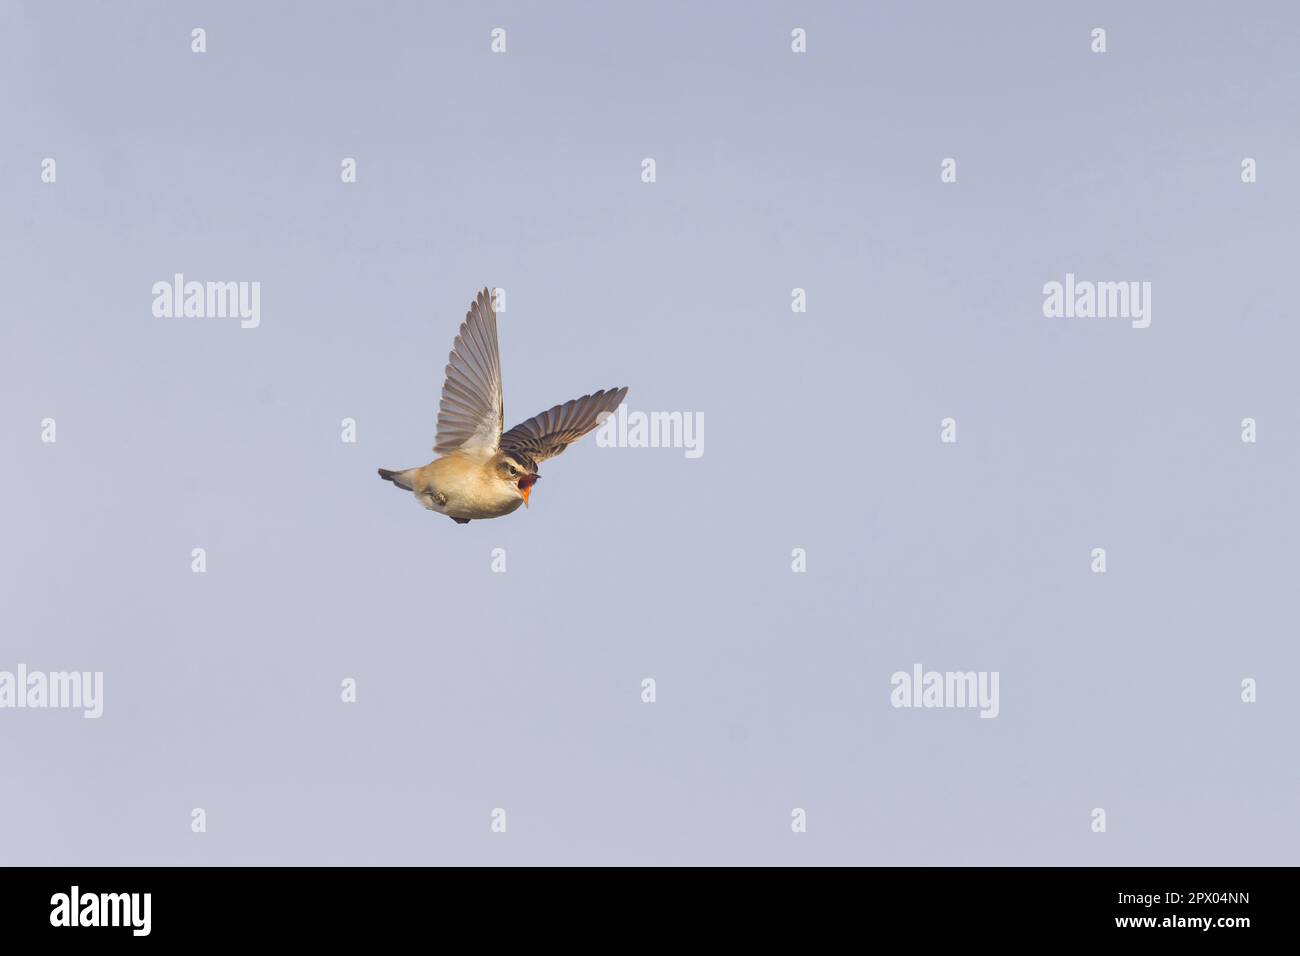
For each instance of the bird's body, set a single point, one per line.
(458, 486)
(483, 472)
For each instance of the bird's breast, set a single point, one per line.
(460, 488)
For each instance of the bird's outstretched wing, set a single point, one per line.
(470, 415)
(546, 435)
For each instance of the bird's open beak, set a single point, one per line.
(526, 486)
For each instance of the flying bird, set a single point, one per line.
(483, 472)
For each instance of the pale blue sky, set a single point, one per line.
(775, 170)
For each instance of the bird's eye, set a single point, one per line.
(514, 473)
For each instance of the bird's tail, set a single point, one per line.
(400, 478)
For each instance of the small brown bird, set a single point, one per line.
(483, 473)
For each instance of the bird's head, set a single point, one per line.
(519, 472)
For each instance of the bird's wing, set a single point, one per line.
(546, 435)
(470, 415)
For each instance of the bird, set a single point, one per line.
(482, 471)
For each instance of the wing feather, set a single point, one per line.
(546, 435)
(470, 414)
